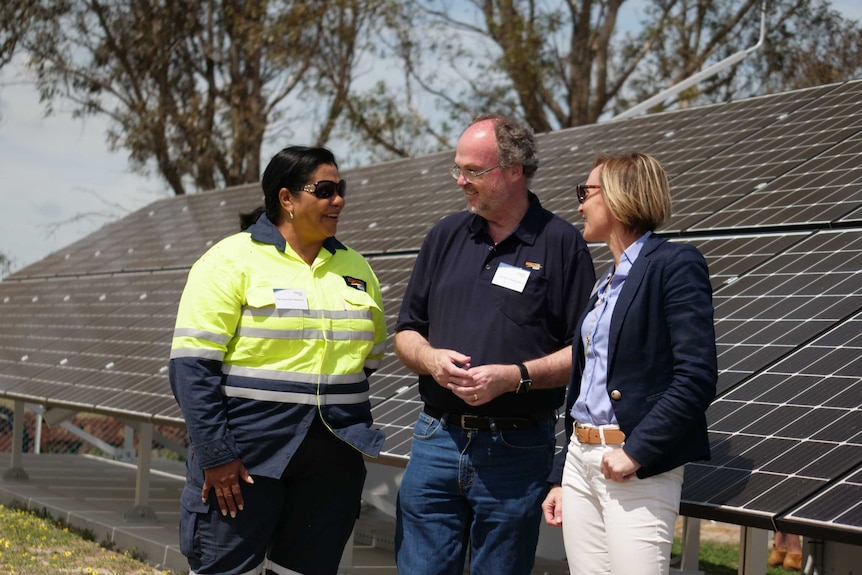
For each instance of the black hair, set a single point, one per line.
(291, 168)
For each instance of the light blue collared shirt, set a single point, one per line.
(593, 405)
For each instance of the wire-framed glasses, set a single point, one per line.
(469, 175)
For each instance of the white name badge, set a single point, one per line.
(511, 277)
(290, 298)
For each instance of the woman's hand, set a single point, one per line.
(553, 506)
(618, 466)
(225, 480)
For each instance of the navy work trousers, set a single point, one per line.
(299, 523)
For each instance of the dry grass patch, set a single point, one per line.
(31, 544)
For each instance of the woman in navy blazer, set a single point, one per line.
(644, 373)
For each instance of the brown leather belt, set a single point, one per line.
(587, 434)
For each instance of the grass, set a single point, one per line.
(720, 559)
(33, 544)
(715, 558)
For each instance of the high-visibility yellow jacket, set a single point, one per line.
(263, 341)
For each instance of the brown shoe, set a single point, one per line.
(776, 558)
(793, 562)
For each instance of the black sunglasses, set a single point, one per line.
(581, 190)
(325, 189)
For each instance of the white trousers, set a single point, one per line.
(616, 528)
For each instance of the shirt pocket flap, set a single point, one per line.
(260, 297)
(357, 298)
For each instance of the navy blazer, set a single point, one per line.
(662, 367)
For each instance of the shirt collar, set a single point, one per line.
(633, 251)
(528, 228)
(264, 231)
(627, 260)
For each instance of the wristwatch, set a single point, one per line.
(526, 381)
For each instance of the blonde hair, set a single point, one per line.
(636, 190)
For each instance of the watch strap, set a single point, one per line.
(526, 380)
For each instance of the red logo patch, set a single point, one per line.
(356, 283)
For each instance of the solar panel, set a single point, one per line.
(784, 436)
(744, 154)
(837, 508)
(786, 302)
(769, 189)
(820, 143)
(92, 343)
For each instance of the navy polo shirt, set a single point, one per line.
(453, 303)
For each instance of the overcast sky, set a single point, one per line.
(59, 182)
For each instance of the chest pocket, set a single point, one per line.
(526, 307)
(261, 311)
(359, 321)
(260, 301)
(258, 297)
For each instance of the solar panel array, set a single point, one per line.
(769, 189)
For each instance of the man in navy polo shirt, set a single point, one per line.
(487, 322)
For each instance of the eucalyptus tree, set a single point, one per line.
(192, 87)
(562, 63)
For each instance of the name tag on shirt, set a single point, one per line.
(290, 298)
(511, 277)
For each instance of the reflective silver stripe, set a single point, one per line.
(259, 570)
(379, 348)
(311, 313)
(372, 364)
(293, 397)
(319, 334)
(202, 334)
(197, 352)
(294, 376)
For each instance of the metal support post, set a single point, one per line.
(142, 512)
(16, 468)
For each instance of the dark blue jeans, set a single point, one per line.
(477, 490)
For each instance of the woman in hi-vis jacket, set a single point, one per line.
(278, 329)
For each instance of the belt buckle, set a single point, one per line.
(464, 425)
(582, 433)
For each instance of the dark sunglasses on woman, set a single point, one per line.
(325, 189)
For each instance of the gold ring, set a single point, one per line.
(475, 397)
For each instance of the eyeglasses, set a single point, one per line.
(469, 175)
(325, 189)
(581, 190)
